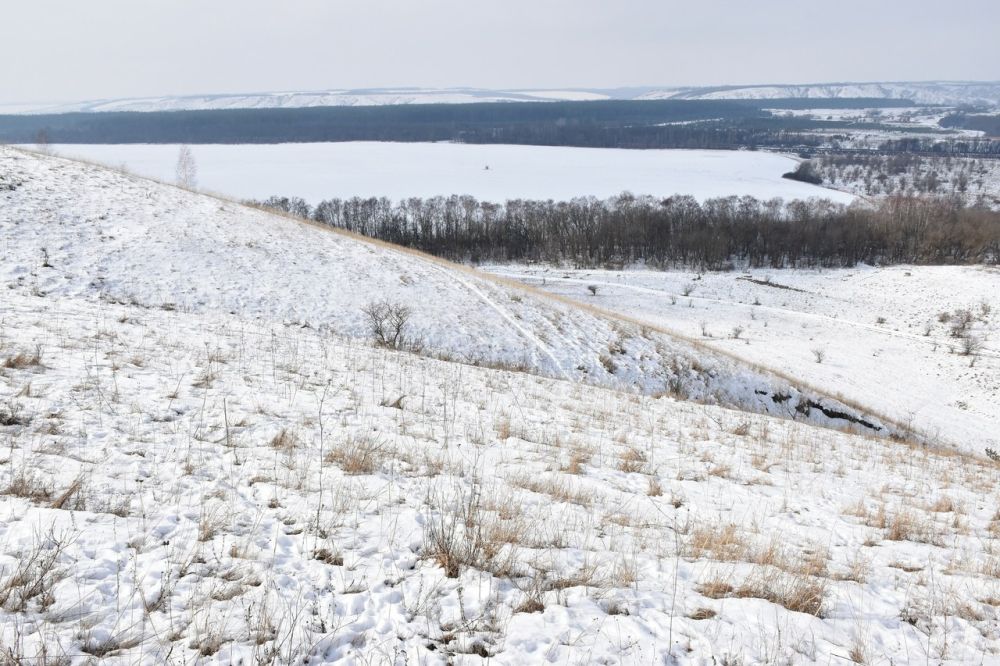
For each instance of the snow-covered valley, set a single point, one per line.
(885, 337)
(206, 460)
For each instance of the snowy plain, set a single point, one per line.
(317, 171)
(205, 461)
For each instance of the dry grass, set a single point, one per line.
(632, 461)
(360, 454)
(702, 613)
(796, 592)
(36, 573)
(718, 542)
(284, 440)
(562, 490)
(24, 360)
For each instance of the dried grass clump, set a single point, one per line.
(34, 576)
(29, 485)
(284, 440)
(24, 360)
(796, 592)
(561, 490)
(718, 542)
(361, 454)
(632, 461)
(466, 534)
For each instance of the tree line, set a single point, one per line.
(677, 231)
(702, 124)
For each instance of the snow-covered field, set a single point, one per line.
(201, 488)
(885, 334)
(205, 461)
(317, 171)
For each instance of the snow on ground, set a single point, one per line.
(69, 229)
(886, 334)
(187, 487)
(204, 461)
(317, 171)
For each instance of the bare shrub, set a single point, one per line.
(819, 354)
(387, 323)
(35, 574)
(971, 345)
(11, 414)
(465, 534)
(961, 322)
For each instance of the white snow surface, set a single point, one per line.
(204, 461)
(880, 331)
(317, 171)
(185, 487)
(120, 238)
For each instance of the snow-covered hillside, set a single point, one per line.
(303, 99)
(74, 230)
(205, 460)
(949, 93)
(318, 171)
(885, 337)
(190, 486)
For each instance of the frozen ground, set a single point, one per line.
(886, 334)
(182, 487)
(204, 461)
(320, 171)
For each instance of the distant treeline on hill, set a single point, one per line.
(677, 231)
(612, 123)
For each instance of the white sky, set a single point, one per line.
(71, 50)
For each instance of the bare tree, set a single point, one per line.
(42, 142)
(387, 323)
(187, 170)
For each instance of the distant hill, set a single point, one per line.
(952, 93)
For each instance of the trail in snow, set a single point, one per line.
(505, 314)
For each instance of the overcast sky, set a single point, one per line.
(71, 50)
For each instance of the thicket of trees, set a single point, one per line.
(678, 231)
(727, 124)
(988, 123)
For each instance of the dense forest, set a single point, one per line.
(678, 231)
(987, 123)
(613, 123)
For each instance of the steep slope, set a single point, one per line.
(73, 230)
